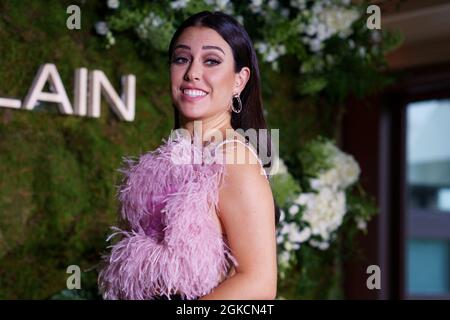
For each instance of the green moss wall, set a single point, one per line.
(57, 172)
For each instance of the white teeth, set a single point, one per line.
(194, 93)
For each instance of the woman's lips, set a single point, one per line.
(186, 97)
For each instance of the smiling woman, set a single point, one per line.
(201, 231)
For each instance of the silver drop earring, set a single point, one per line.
(236, 95)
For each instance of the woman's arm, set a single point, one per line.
(248, 215)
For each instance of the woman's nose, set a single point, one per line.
(193, 72)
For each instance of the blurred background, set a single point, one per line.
(361, 101)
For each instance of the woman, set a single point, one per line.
(215, 83)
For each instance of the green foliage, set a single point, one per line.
(58, 173)
(284, 188)
(335, 52)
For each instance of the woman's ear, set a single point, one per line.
(241, 79)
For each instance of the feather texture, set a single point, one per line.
(173, 245)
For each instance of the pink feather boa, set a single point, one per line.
(174, 245)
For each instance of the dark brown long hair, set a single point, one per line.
(251, 115)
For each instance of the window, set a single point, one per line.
(427, 261)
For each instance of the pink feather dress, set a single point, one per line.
(173, 245)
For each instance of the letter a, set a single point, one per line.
(374, 21)
(374, 281)
(73, 282)
(74, 20)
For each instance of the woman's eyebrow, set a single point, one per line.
(204, 47)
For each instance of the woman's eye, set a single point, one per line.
(214, 61)
(176, 60)
(180, 60)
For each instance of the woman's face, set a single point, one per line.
(202, 74)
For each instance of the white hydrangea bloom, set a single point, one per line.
(361, 224)
(325, 214)
(280, 239)
(284, 258)
(179, 4)
(293, 210)
(240, 19)
(322, 245)
(282, 215)
(285, 12)
(262, 47)
(303, 235)
(327, 20)
(299, 4)
(348, 169)
(256, 6)
(273, 4)
(288, 246)
(113, 4)
(305, 199)
(285, 229)
(293, 232)
(329, 178)
(221, 5)
(101, 28)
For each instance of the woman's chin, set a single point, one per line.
(193, 112)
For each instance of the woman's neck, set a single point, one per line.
(212, 129)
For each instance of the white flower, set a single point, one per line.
(101, 28)
(362, 52)
(256, 6)
(375, 36)
(293, 232)
(351, 44)
(347, 168)
(113, 4)
(280, 239)
(282, 215)
(285, 12)
(300, 4)
(315, 45)
(157, 21)
(361, 224)
(293, 210)
(327, 20)
(179, 4)
(304, 198)
(344, 172)
(110, 38)
(284, 257)
(288, 246)
(284, 229)
(261, 47)
(240, 19)
(272, 55)
(303, 235)
(273, 4)
(325, 213)
(322, 245)
(329, 178)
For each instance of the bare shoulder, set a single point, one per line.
(242, 161)
(247, 214)
(244, 187)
